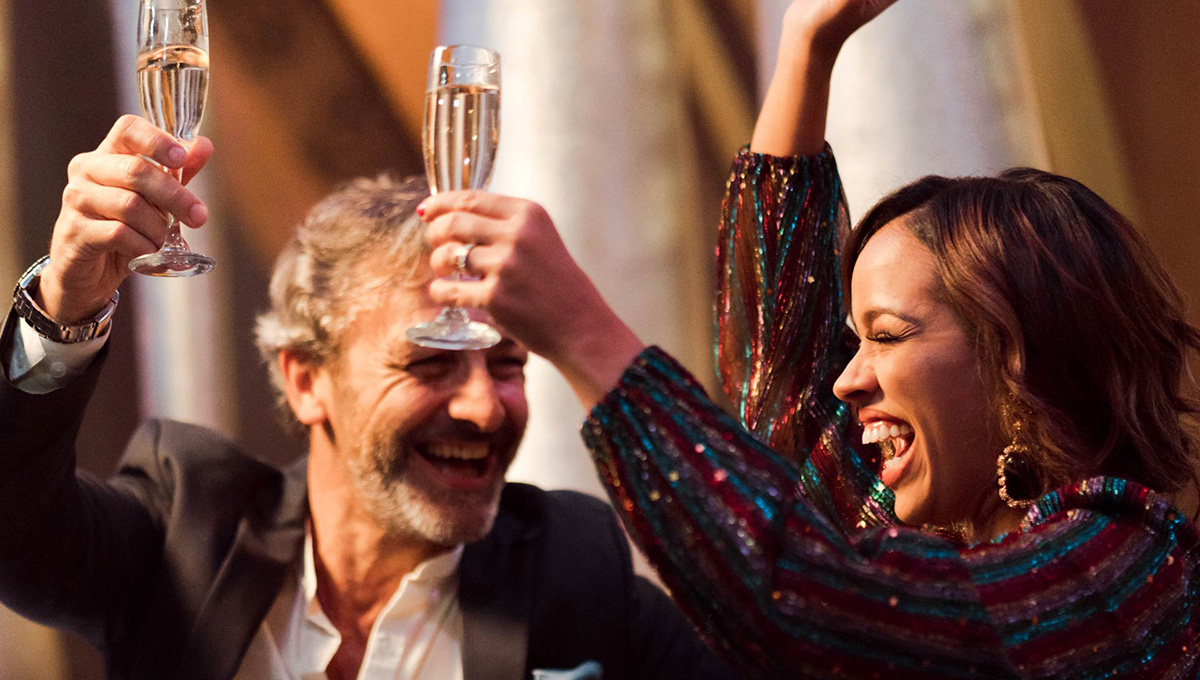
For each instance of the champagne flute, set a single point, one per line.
(462, 130)
(172, 69)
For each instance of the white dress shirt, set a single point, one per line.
(418, 634)
(40, 366)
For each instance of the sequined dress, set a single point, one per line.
(799, 570)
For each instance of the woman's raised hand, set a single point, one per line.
(826, 24)
(113, 209)
(524, 277)
(792, 121)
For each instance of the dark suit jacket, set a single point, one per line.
(171, 566)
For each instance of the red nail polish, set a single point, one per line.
(421, 210)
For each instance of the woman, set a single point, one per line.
(1017, 366)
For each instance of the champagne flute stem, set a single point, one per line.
(453, 313)
(174, 240)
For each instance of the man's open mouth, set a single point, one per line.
(461, 458)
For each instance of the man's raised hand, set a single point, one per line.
(114, 208)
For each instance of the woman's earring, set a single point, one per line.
(1016, 453)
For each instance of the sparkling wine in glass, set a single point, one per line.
(172, 73)
(462, 130)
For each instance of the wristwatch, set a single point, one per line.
(48, 328)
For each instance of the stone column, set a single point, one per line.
(930, 87)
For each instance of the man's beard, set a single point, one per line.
(409, 506)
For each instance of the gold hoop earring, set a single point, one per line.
(1002, 462)
(1017, 450)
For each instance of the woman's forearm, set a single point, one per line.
(792, 120)
(597, 355)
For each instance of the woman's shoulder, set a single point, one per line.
(1098, 523)
(1100, 564)
(1114, 499)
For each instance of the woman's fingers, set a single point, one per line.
(479, 203)
(462, 293)
(828, 23)
(481, 260)
(503, 231)
(476, 202)
(465, 227)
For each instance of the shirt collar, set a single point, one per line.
(430, 573)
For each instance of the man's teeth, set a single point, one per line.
(459, 451)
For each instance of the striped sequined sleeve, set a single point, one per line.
(774, 583)
(781, 329)
(1100, 580)
(779, 317)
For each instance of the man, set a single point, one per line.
(394, 550)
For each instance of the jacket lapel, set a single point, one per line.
(268, 543)
(496, 593)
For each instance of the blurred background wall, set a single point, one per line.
(619, 115)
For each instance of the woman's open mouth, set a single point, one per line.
(895, 442)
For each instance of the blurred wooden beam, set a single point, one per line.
(1149, 62)
(297, 108)
(718, 52)
(395, 46)
(1068, 90)
(9, 256)
(716, 55)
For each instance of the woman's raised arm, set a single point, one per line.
(779, 316)
(792, 120)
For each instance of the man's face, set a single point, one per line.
(426, 434)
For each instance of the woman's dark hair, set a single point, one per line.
(1075, 323)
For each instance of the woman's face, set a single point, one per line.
(916, 385)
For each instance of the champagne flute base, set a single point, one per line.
(459, 336)
(172, 264)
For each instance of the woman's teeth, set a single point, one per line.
(890, 436)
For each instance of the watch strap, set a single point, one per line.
(25, 307)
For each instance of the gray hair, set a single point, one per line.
(328, 272)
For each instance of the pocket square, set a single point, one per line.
(589, 670)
